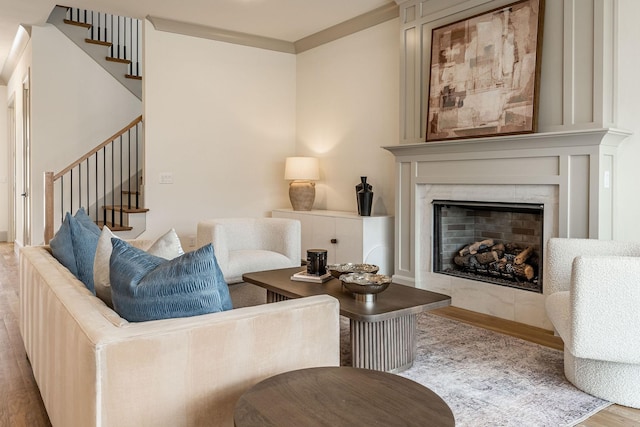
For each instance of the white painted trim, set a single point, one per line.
(351, 26)
(19, 44)
(553, 140)
(219, 34)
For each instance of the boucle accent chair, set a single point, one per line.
(593, 301)
(244, 245)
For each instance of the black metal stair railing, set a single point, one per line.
(106, 182)
(124, 35)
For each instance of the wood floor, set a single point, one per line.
(21, 405)
(20, 401)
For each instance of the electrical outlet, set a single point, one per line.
(166, 178)
(192, 241)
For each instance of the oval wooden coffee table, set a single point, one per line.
(340, 396)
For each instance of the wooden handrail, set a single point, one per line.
(98, 148)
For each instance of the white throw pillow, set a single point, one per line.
(167, 246)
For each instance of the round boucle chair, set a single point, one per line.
(593, 301)
(244, 245)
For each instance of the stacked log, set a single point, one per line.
(510, 260)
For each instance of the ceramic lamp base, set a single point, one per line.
(302, 194)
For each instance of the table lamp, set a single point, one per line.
(302, 191)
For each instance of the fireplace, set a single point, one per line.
(570, 174)
(493, 242)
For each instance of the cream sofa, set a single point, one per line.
(94, 368)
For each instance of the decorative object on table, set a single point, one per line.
(317, 262)
(304, 276)
(302, 191)
(485, 73)
(338, 270)
(365, 286)
(364, 196)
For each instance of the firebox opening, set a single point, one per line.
(494, 242)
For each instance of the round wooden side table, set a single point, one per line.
(341, 396)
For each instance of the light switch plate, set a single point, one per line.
(166, 178)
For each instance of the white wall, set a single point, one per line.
(14, 90)
(5, 156)
(76, 105)
(347, 108)
(221, 119)
(628, 112)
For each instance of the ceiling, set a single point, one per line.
(288, 20)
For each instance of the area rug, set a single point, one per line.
(492, 379)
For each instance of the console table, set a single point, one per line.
(346, 236)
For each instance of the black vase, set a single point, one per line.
(364, 195)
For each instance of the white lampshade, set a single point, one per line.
(302, 168)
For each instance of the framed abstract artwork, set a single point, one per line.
(485, 74)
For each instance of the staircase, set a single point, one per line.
(112, 41)
(108, 180)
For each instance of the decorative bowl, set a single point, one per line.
(365, 283)
(338, 270)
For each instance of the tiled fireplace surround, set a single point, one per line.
(571, 173)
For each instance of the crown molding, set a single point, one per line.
(219, 34)
(19, 44)
(351, 26)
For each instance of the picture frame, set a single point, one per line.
(485, 74)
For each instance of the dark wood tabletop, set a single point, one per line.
(396, 299)
(344, 396)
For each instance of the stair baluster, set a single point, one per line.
(120, 168)
(124, 37)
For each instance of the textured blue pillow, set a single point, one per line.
(84, 237)
(62, 243)
(146, 287)
(86, 221)
(62, 246)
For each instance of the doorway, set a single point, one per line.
(11, 123)
(26, 161)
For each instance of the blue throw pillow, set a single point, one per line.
(62, 243)
(74, 245)
(62, 246)
(86, 221)
(85, 241)
(146, 287)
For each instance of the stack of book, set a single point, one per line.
(303, 276)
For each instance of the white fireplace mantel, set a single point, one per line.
(548, 140)
(572, 173)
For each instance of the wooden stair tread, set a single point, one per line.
(131, 192)
(129, 76)
(122, 61)
(77, 24)
(113, 227)
(100, 42)
(125, 209)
